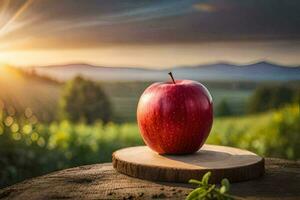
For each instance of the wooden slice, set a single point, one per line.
(224, 162)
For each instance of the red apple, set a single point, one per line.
(175, 117)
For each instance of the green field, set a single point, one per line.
(42, 95)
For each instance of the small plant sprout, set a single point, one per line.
(206, 191)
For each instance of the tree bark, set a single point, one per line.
(101, 181)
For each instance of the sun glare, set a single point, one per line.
(9, 74)
(7, 26)
(10, 24)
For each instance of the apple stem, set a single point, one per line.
(170, 73)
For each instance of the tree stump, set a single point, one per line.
(101, 181)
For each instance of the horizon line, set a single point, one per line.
(156, 69)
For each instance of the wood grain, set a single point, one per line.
(232, 163)
(101, 181)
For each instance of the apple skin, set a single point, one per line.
(175, 118)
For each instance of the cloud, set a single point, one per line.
(204, 7)
(138, 14)
(94, 23)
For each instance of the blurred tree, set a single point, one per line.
(259, 101)
(280, 96)
(269, 97)
(223, 109)
(84, 100)
(297, 96)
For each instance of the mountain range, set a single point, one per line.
(260, 71)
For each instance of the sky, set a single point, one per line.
(149, 33)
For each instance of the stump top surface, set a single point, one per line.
(101, 181)
(224, 162)
(208, 157)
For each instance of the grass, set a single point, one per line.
(275, 133)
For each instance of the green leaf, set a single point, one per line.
(193, 181)
(205, 178)
(207, 191)
(223, 189)
(202, 196)
(212, 187)
(195, 194)
(226, 184)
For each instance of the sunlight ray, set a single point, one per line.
(5, 28)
